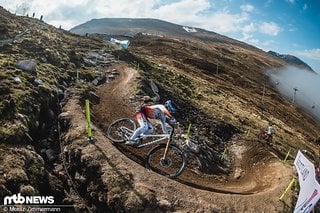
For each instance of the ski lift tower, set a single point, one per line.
(295, 89)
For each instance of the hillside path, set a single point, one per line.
(275, 175)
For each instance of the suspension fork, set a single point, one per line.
(168, 144)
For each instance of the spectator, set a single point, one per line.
(271, 130)
(318, 140)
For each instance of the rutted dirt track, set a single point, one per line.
(257, 180)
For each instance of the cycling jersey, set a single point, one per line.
(158, 111)
(149, 111)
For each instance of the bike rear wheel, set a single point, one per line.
(172, 166)
(121, 130)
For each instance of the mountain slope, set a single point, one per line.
(218, 83)
(129, 26)
(134, 26)
(292, 60)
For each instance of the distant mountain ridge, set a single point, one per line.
(155, 27)
(292, 60)
(133, 26)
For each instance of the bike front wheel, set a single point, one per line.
(172, 166)
(121, 130)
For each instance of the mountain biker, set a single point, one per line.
(160, 112)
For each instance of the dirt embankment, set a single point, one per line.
(256, 181)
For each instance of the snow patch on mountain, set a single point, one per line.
(189, 30)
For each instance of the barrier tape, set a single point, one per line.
(224, 153)
(287, 156)
(88, 119)
(287, 189)
(188, 132)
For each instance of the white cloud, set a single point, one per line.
(186, 12)
(305, 6)
(254, 41)
(73, 12)
(247, 31)
(246, 36)
(247, 8)
(312, 53)
(270, 28)
(291, 1)
(194, 13)
(225, 22)
(268, 43)
(249, 28)
(183, 12)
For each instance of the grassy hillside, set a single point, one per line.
(230, 83)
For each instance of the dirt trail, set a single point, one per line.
(262, 182)
(115, 97)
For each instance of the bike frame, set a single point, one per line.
(159, 137)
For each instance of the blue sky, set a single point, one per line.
(285, 26)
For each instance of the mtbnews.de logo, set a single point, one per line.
(20, 199)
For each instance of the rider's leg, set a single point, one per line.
(269, 138)
(144, 126)
(150, 128)
(158, 114)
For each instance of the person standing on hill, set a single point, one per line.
(271, 130)
(318, 140)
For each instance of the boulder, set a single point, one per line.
(165, 205)
(44, 143)
(94, 98)
(65, 116)
(95, 82)
(115, 73)
(51, 155)
(17, 80)
(37, 82)
(4, 191)
(27, 190)
(154, 87)
(4, 90)
(112, 76)
(16, 177)
(134, 203)
(89, 62)
(147, 99)
(27, 65)
(65, 84)
(99, 80)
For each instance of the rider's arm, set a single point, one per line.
(163, 124)
(167, 113)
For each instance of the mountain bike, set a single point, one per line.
(166, 158)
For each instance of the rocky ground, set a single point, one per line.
(260, 169)
(38, 64)
(47, 73)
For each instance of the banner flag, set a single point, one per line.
(309, 187)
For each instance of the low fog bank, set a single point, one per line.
(300, 86)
